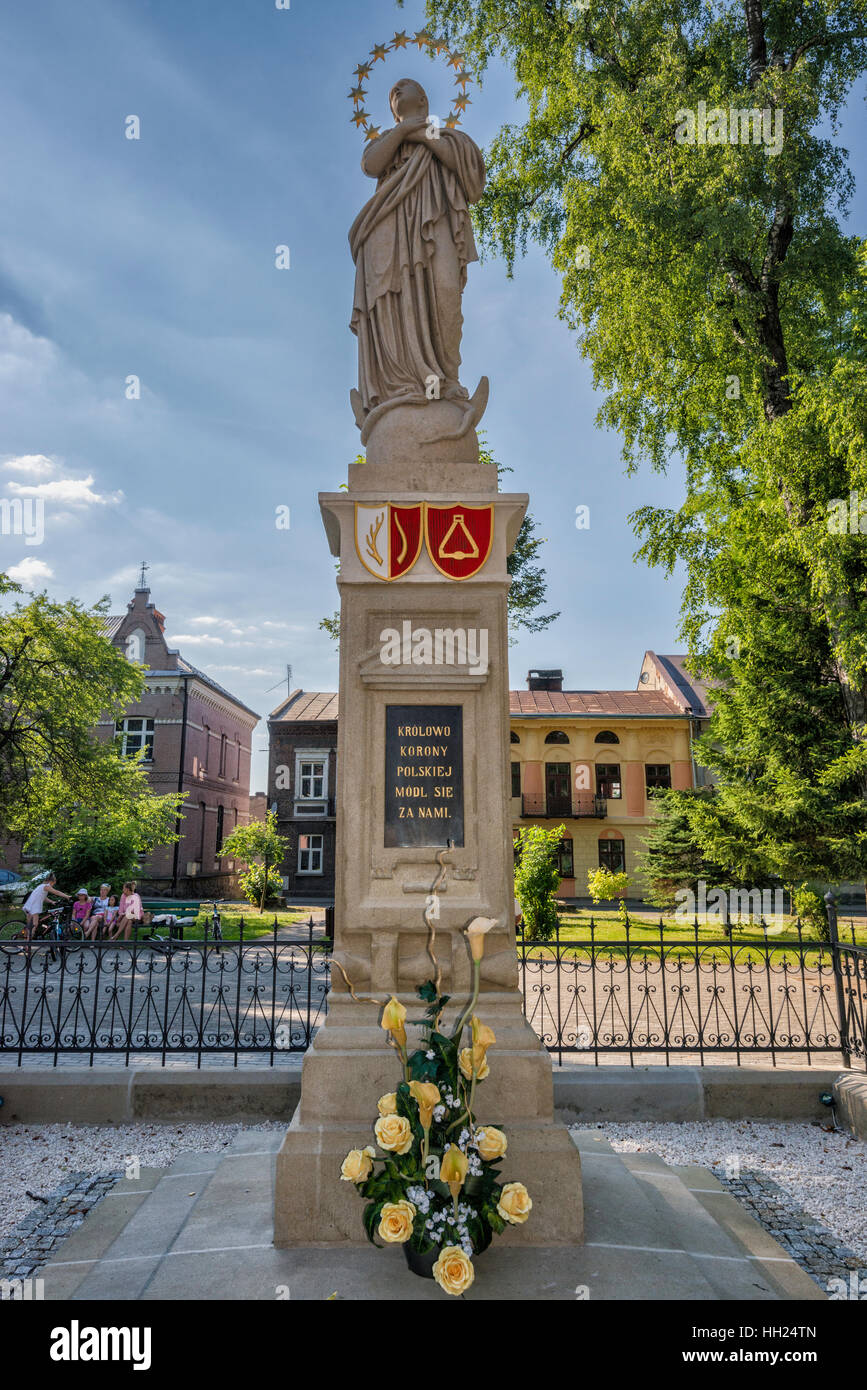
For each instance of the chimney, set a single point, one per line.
(544, 680)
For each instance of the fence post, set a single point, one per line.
(838, 977)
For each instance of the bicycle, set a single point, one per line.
(56, 930)
(216, 926)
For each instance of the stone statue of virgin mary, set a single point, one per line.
(411, 244)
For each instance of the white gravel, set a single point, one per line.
(824, 1171)
(41, 1157)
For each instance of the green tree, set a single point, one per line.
(529, 585)
(608, 885)
(672, 858)
(259, 841)
(59, 678)
(537, 878)
(90, 848)
(722, 306)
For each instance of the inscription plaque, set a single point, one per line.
(424, 775)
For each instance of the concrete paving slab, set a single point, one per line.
(155, 1224)
(556, 1274)
(696, 1178)
(217, 1243)
(196, 1163)
(62, 1280)
(145, 1182)
(691, 1225)
(618, 1209)
(591, 1141)
(117, 1280)
(237, 1208)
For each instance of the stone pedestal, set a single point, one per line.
(383, 888)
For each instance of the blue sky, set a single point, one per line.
(156, 258)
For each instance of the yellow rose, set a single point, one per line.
(427, 1095)
(491, 1143)
(357, 1165)
(387, 1104)
(470, 1057)
(393, 1020)
(515, 1203)
(393, 1132)
(395, 1221)
(453, 1270)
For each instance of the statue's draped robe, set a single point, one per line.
(411, 244)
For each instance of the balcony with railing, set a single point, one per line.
(582, 804)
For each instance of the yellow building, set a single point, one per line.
(589, 759)
(583, 757)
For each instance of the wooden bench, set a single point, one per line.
(177, 907)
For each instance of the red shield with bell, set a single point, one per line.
(459, 537)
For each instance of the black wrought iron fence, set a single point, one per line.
(263, 995)
(641, 992)
(646, 991)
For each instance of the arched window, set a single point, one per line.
(606, 736)
(513, 737)
(135, 646)
(556, 736)
(220, 818)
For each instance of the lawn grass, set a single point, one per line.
(748, 942)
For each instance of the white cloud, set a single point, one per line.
(36, 464)
(199, 639)
(75, 492)
(29, 570)
(208, 620)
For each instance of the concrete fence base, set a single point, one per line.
(119, 1095)
(850, 1093)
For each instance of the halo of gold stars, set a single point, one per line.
(361, 119)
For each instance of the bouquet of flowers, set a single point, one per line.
(437, 1190)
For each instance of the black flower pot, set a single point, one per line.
(419, 1264)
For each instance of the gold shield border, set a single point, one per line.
(467, 507)
(375, 506)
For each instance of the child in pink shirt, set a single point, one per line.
(131, 910)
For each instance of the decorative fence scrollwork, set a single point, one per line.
(646, 996)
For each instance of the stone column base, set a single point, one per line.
(313, 1206)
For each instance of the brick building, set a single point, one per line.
(302, 780)
(197, 738)
(589, 759)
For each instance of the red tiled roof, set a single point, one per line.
(310, 706)
(588, 703)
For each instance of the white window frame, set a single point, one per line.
(139, 736)
(314, 853)
(311, 805)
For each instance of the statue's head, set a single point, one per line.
(408, 98)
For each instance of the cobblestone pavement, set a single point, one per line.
(815, 1249)
(35, 1239)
